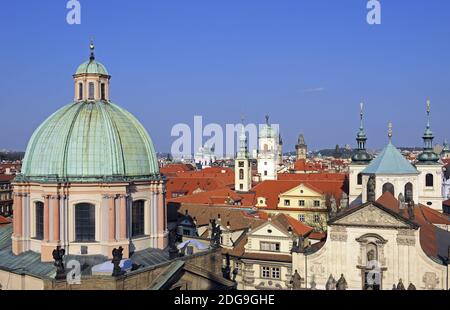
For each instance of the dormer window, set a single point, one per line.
(80, 91)
(91, 91)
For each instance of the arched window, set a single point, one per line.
(359, 179)
(39, 220)
(408, 192)
(429, 182)
(80, 91)
(388, 187)
(84, 222)
(137, 219)
(241, 174)
(91, 91)
(103, 91)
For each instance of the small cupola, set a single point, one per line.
(91, 80)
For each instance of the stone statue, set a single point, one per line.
(298, 246)
(411, 287)
(344, 201)
(411, 210)
(296, 281)
(370, 256)
(58, 255)
(235, 273)
(215, 234)
(394, 288)
(333, 206)
(400, 286)
(371, 189)
(117, 258)
(401, 202)
(331, 283)
(226, 271)
(174, 252)
(341, 284)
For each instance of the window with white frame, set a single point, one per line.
(287, 202)
(270, 246)
(301, 203)
(270, 272)
(316, 203)
(316, 218)
(301, 217)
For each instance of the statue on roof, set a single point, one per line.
(341, 284)
(371, 189)
(331, 283)
(216, 232)
(226, 271)
(411, 287)
(401, 202)
(333, 206)
(58, 256)
(296, 281)
(174, 252)
(117, 254)
(400, 286)
(411, 210)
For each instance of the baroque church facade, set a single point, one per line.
(390, 171)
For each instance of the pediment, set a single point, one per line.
(268, 229)
(373, 216)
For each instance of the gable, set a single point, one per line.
(263, 231)
(372, 216)
(301, 191)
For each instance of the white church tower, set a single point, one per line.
(242, 166)
(430, 168)
(360, 160)
(268, 152)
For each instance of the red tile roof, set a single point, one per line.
(271, 189)
(7, 177)
(432, 238)
(218, 197)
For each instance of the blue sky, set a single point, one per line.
(306, 63)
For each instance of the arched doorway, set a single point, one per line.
(409, 194)
(388, 187)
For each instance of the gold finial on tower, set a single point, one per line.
(92, 48)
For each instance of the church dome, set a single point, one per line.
(89, 141)
(91, 67)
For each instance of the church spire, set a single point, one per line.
(361, 155)
(428, 156)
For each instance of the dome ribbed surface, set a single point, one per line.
(90, 141)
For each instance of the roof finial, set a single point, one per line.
(242, 118)
(92, 48)
(267, 119)
(361, 114)
(390, 131)
(428, 113)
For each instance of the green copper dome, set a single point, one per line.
(91, 67)
(90, 142)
